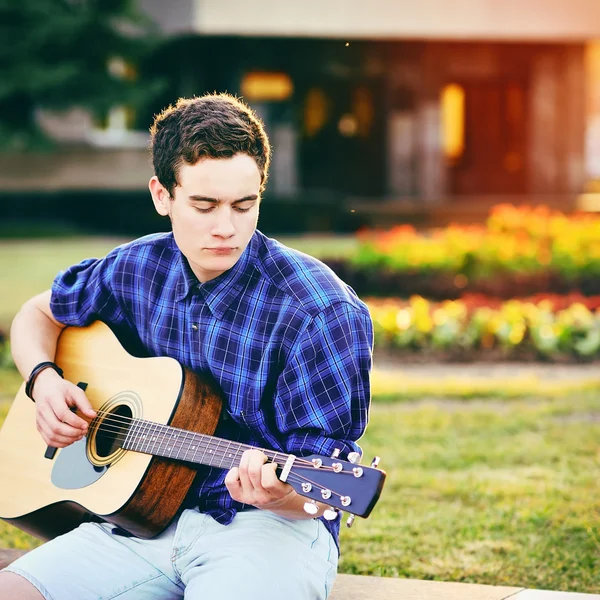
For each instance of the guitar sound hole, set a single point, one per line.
(113, 430)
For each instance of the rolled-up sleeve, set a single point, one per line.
(85, 292)
(323, 394)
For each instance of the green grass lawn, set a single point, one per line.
(503, 493)
(27, 267)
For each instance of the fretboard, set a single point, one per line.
(170, 442)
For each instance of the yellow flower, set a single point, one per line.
(419, 304)
(454, 309)
(512, 311)
(517, 334)
(403, 319)
(547, 331)
(423, 323)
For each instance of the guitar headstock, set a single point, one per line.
(342, 484)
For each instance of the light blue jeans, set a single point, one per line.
(260, 556)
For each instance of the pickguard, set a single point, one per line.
(72, 469)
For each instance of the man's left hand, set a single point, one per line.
(256, 483)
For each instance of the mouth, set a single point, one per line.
(221, 250)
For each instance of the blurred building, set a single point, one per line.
(386, 107)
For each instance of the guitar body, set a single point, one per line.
(141, 493)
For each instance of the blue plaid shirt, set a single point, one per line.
(289, 343)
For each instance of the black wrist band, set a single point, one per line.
(48, 364)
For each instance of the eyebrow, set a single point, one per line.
(196, 198)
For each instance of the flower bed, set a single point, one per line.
(520, 251)
(462, 330)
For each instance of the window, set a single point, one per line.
(453, 122)
(267, 87)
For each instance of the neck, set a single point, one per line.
(186, 446)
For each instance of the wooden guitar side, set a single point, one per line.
(167, 482)
(139, 493)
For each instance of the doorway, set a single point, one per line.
(492, 156)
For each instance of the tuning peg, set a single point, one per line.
(357, 472)
(335, 453)
(311, 507)
(350, 521)
(375, 462)
(331, 513)
(354, 457)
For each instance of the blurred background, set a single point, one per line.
(442, 156)
(379, 112)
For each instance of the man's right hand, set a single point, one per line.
(54, 397)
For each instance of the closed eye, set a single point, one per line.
(203, 206)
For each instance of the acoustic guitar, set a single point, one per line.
(155, 421)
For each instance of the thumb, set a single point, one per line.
(81, 402)
(233, 476)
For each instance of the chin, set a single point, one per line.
(223, 263)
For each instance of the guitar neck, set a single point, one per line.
(170, 442)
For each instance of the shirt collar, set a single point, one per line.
(221, 291)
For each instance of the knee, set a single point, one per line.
(17, 587)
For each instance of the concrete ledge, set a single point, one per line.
(7, 555)
(360, 587)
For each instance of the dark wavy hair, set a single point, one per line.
(211, 126)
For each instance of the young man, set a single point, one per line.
(288, 343)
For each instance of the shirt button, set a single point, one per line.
(195, 326)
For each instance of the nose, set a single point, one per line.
(223, 225)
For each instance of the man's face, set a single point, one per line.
(214, 211)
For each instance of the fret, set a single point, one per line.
(175, 435)
(188, 440)
(146, 436)
(128, 442)
(140, 435)
(163, 441)
(203, 443)
(174, 441)
(229, 459)
(152, 437)
(192, 447)
(181, 445)
(208, 454)
(218, 459)
(168, 442)
(234, 455)
(161, 447)
(226, 455)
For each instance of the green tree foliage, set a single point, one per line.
(56, 54)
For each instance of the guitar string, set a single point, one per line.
(210, 443)
(296, 477)
(213, 444)
(116, 419)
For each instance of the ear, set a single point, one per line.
(160, 197)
